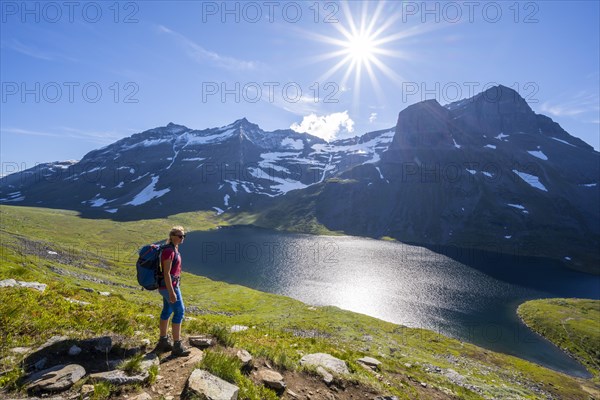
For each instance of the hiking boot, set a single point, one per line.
(179, 350)
(164, 345)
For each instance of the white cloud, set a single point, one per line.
(326, 127)
(372, 117)
(203, 55)
(580, 103)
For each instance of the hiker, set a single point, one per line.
(170, 290)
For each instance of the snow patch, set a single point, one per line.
(294, 144)
(98, 202)
(112, 210)
(458, 146)
(562, 141)
(531, 180)
(501, 136)
(538, 154)
(226, 200)
(490, 146)
(219, 211)
(148, 193)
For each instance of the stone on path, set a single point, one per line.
(272, 379)
(55, 379)
(203, 384)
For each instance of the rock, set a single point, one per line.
(86, 391)
(102, 344)
(238, 328)
(55, 379)
(104, 294)
(386, 398)
(423, 384)
(119, 377)
(74, 350)
(195, 357)
(142, 396)
(292, 394)
(80, 302)
(32, 285)
(21, 350)
(271, 379)
(90, 290)
(327, 377)
(408, 365)
(370, 362)
(327, 361)
(207, 386)
(245, 358)
(40, 364)
(202, 341)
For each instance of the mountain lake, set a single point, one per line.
(473, 300)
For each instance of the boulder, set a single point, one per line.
(238, 328)
(32, 285)
(202, 341)
(327, 377)
(74, 350)
(204, 385)
(370, 362)
(271, 379)
(55, 379)
(245, 358)
(326, 361)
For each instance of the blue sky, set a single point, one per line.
(76, 79)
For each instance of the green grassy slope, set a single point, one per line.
(571, 324)
(100, 254)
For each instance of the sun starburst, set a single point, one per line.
(364, 44)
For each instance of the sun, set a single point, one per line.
(364, 41)
(361, 48)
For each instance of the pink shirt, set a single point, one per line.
(169, 254)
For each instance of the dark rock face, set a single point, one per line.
(487, 173)
(484, 173)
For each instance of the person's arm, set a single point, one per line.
(168, 283)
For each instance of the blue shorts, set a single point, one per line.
(177, 308)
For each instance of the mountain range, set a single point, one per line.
(484, 173)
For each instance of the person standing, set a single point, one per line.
(170, 290)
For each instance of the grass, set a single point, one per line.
(100, 255)
(133, 365)
(571, 324)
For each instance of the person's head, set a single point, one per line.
(176, 235)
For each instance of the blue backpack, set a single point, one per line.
(148, 266)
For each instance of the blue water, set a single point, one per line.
(474, 299)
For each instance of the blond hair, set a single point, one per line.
(176, 230)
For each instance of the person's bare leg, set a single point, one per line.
(164, 325)
(176, 328)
